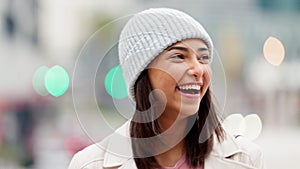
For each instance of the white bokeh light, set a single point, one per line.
(249, 126)
(253, 126)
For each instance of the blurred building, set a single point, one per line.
(82, 35)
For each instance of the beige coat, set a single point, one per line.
(232, 153)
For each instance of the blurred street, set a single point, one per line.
(44, 121)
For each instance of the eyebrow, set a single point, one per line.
(178, 48)
(202, 49)
(186, 49)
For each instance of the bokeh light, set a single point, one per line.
(57, 81)
(273, 51)
(249, 126)
(234, 124)
(253, 126)
(114, 83)
(38, 80)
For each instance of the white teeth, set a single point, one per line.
(190, 87)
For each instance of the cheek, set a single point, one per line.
(176, 72)
(160, 79)
(208, 74)
(170, 74)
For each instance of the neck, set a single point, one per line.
(173, 133)
(173, 130)
(172, 156)
(169, 120)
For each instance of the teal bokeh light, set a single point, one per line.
(57, 81)
(38, 80)
(115, 84)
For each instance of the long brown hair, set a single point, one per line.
(196, 151)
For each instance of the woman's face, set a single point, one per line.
(182, 73)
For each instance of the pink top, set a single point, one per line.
(181, 164)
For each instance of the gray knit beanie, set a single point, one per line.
(148, 33)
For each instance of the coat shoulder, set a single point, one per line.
(89, 155)
(249, 152)
(111, 152)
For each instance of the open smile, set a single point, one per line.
(191, 90)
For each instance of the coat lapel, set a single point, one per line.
(130, 164)
(221, 151)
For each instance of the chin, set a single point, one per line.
(187, 111)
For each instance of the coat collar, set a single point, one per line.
(119, 152)
(225, 148)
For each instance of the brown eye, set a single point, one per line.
(205, 59)
(177, 56)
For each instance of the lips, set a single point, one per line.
(191, 88)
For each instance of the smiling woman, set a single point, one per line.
(165, 56)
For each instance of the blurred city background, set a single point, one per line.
(41, 129)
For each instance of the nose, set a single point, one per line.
(195, 68)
